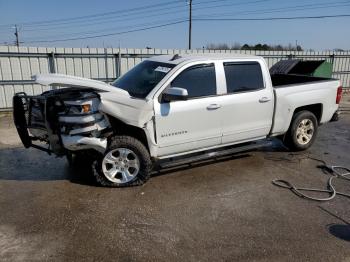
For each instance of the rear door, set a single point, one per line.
(183, 126)
(247, 107)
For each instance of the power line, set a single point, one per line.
(282, 9)
(95, 15)
(209, 1)
(69, 24)
(120, 17)
(107, 30)
(270, 18)
(131, 12)
(233, 4)
(190, 24)
(130, 16)
(72, 22)
(196, 19)
(111, 19)
(103, 35)
(126, 13)
(107, 20)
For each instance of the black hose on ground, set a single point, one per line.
(336, 172)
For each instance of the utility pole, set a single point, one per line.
(17, 37)
(190, 26)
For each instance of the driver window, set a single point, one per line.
(199, 80)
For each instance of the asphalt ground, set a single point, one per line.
(220, 210)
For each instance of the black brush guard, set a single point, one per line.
(23, 118)
(37, 117)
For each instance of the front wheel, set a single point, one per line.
(125, 163)
(302, 131)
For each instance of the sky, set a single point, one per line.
(42, 22)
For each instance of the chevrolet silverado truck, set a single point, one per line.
(169, 108)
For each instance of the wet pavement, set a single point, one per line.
(218, 210)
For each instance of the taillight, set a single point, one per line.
(339, 93)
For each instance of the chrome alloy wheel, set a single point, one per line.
(305, 131)
(120, 165)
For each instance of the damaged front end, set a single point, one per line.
(64, 119)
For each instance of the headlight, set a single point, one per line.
(86, 108)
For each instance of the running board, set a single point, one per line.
(173, 162)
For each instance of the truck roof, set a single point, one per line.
(179, 58)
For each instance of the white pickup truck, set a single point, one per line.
(170, 108)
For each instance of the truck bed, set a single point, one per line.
(297, 91)
(283, 80)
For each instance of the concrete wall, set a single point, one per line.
(17, 65)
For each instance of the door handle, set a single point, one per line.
(213, 107)
(264, 99)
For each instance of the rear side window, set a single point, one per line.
(242, 77)
(199, 80)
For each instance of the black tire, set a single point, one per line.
(291, 140)
(138, 148)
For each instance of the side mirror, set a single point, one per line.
(174, 94)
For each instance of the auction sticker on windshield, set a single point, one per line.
(162, 69)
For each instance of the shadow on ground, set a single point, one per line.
(340, 231)
(33, 165)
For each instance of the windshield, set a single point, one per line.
(140, 80)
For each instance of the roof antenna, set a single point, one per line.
(176, 56)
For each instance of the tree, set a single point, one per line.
(299, 48)
(265, 47)
(245, 47)
(259, 46)
(278, 48)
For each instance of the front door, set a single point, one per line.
(183, 126)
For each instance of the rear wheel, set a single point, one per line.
(302, 131)
(125, 163)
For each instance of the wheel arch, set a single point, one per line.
(316, 109)
(121, 128)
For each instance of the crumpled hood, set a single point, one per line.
(133, 111)
(114, 101)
